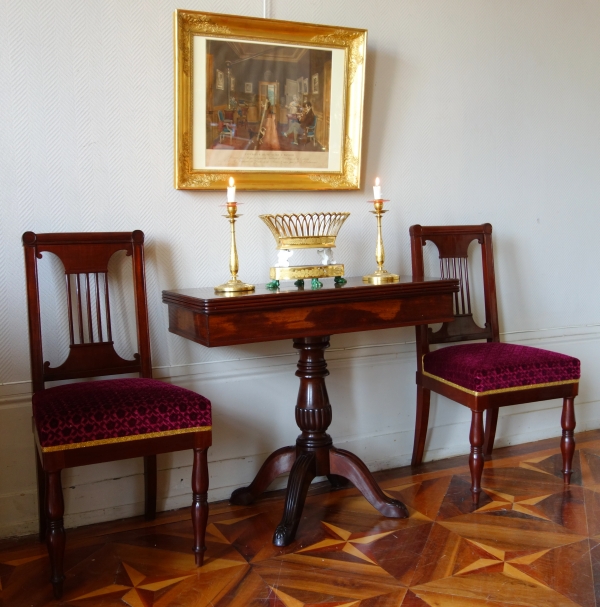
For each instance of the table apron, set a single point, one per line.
(230, 328)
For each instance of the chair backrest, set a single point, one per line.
(221, 115)
(85, 258)
(453, 244)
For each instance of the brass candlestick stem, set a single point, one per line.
(381, 275)
(233, 285)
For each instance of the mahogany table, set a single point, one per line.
(309, 317)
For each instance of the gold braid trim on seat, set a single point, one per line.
(123, 439)
(499, 390)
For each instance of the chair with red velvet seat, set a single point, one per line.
(98, 421)
(482, 376)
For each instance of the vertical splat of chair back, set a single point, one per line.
(85, 257)
(453, 244)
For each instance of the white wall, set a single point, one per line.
(475, 111)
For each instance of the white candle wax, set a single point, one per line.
(231, 190)
(377, 190)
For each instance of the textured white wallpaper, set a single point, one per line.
(474, 111)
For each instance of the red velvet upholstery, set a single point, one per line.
(482, 367)
(109, 409)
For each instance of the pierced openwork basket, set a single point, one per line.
(305, 230)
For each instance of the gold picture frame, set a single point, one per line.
(275, 134)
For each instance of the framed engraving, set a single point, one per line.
(297, 124)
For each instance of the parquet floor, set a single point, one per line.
(529, 543)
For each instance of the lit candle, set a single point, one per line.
(231, 190)
(377, 190)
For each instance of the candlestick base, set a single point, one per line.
(234, 286)
(381, 277)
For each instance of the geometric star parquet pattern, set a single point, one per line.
(529, 543)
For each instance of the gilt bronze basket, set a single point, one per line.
(305, 230)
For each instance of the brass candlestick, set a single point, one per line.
(233, 285)
(381, 275)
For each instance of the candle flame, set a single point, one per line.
(376, 180)
(231, 182)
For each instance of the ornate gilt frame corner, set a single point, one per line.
(353, 42)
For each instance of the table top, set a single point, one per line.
(218, 319)
(206, 301)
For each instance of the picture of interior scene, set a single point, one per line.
(265, 102)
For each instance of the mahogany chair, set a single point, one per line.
(98, 421)
(482, 376)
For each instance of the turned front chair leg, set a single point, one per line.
(567, 442)
(55, 535)
(200, 503)
(476, 457)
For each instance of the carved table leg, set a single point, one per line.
(350, 466)
(302, 474)
(278, 463)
